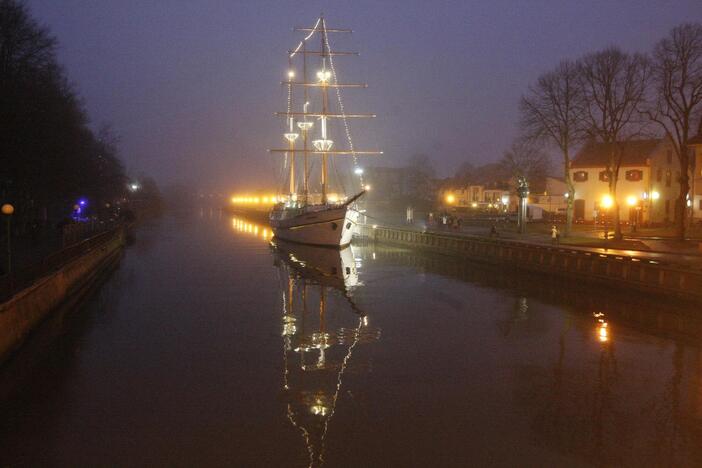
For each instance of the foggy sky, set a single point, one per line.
(190, 85)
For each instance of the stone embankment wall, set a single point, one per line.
(27, 308)
(612, 270)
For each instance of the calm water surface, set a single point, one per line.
(207, 347)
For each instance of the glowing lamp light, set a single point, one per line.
(450, 199)
(607, 201)
(7, 209)
(655, 195)
(603, 332)
(367, 187)
(474, 205)
(323, 145)
(305, 126)
(631, 200)
(291, 74)
(323, 75)
(505, 199)
(358, 171)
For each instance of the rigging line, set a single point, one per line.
(314, 29)
(344, 365)
(341, 104)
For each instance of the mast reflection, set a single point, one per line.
(321, 328)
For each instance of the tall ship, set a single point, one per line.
(321, 191)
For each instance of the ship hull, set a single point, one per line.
(329, 226)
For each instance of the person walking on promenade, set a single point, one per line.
(555, 235)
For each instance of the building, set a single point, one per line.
(696, 179)
(647, 186)
(474, 196)
(553, 198)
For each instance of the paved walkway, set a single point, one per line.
(659, 251)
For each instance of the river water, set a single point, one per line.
(208, 347)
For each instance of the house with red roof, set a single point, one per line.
(647, 186)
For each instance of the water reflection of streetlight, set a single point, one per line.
(602, 328)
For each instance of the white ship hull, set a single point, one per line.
(316, 225)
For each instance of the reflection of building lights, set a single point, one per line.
(602, 330)
(319, 410)
(365, 320)
(603, 333)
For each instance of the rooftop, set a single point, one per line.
(636, 153)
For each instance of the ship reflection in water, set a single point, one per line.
(321, 327)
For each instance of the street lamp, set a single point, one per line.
(8, 210)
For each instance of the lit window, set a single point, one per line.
(634, 175)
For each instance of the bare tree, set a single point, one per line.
(677, 102)
(614, 84)
(552, 112)
(524, 159)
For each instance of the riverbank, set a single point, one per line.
(21, 313)
(673, 275)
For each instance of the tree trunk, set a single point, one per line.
(681, 204)
(571, 195)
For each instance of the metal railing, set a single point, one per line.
(24, 277)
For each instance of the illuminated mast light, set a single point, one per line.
(291, 137)
(323, 145)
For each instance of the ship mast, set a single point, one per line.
(327, 144)
(291, 136)
(326, 78)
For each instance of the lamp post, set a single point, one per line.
(8, 210)
(523, 193)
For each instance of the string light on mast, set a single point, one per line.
(341, 108)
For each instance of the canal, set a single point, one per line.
(206, 347)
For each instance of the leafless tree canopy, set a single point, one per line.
(552, 112)
(552, 109)
(677, 98)
(524, 159)
(614, 88)
(24, 45)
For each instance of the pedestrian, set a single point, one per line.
(555, 235)
(493, 231)
(444, 220)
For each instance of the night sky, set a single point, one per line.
(190, 85)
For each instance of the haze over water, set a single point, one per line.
(181, 360)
